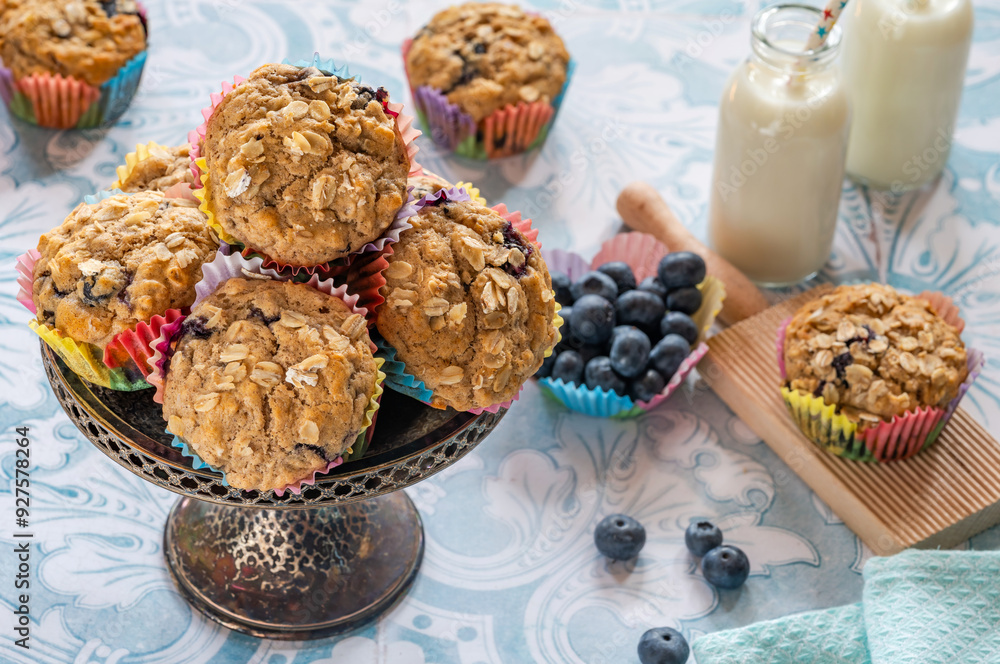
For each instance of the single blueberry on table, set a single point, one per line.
(629, 351)
(595, 283)
(685, 300)
(725, 567)
(646, 386)
(701, 537)
(621, 273)
(667, 355)
(674, 322)
(663, 645)
(600, 375)
(593, 319)
(561, 285)
(653, 285)
(619, 537)
(681, 269)
(640, 308)
(545, 370)
(568, 367)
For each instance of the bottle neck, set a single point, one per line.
(779, 34)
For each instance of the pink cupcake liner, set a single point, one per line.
(25, 267)
(513, 129)
(58, 102)
(132, 347)
(888, 440)
(197, 135)
(296, 488)
(636, 250)
(220, 270)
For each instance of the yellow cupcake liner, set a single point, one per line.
(713, 294)
(473, 192)
(84, 360)
(557, 320)
(205, 205)
(142, 152)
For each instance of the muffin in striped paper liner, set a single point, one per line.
(642, 253)
(402, 378)
(872, 437)
(217, 274)
(120, 364)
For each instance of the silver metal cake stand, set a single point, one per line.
(296, 566)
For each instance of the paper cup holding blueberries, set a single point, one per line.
(635, 317)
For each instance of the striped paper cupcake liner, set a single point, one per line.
(505, 132)
(642, 253)
(887, 440)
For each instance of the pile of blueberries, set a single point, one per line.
(620, 537)
(625, 337)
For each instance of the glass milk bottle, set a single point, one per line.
(904, 65)
(779, 154)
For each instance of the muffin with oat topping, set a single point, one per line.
(874, 353)
(86, 39)
(469, 305)
(163, 168)
(486, 56)
(118, 262)
(270, 381)
(304, 166)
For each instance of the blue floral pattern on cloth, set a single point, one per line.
(510, 572)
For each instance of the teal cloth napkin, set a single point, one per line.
(832, 636)
(919, 607)
(933, 607)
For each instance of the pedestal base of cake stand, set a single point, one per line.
(296, 573)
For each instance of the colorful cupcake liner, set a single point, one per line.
(58, 102)
(400, 380)
(505, 132)
(899, 438)
(404, 122)
(114, 367)
(397, 376)
(642, 253)
(141, 153)
(354, 452)
(220, 270)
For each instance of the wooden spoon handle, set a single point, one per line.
(643, 209)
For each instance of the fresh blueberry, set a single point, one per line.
(640, 308)
(668, 354)
(677, 323)
(685, 300)
(569, 367)
(663, 645)
(619, 537)
(561, 285)
(653, 285)
(647, 386)
(595, 283)
(701, 537)
(681, 269)
(629, 351)
(545, 370)
(725, 567)
(621, 273)
(593, 318)
(599, 374)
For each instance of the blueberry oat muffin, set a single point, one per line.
(469, 304)
(487, 56)
(164, 168)
(304, 166)
(874, 353)
(269, 381)
(85, 39)
(118, 262)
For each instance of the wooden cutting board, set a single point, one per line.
(938, 498)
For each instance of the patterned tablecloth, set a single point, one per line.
(511, 574)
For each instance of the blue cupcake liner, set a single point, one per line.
(396, 376)
(325, 65)
(595, 402)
